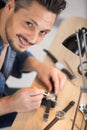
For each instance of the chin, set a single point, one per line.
(18, 49)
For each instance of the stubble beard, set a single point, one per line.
(11, 43)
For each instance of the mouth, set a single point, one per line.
(23, 43)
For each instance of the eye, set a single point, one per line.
(29, 24)
(43, 33)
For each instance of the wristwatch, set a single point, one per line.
(50, 102)
(59, 115)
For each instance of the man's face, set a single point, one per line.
(28, 26)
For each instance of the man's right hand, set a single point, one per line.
(26, 99)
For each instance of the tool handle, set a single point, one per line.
(69, 75)
(65, 71)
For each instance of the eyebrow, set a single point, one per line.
(34, 22)
(48, 30)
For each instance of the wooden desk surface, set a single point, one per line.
(33, 120)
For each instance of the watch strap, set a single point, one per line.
(68, 106)
(51, 123)
(46, 114)
(56, 118)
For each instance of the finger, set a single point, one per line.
(35, 105)
(55, 80)
(48, 84)
(32, 91)
(58, 78)
(36, 98)
(62, 80)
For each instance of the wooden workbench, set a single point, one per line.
(34, 119)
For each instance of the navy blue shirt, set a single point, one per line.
(14, 68)
(1, 46)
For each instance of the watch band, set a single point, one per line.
(59, 65)
(46, 114)
(49, 102)
(69, 106)
(57, 117)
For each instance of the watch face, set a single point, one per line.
(60, 114)
(50, 96)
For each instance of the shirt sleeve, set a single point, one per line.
(19, 63)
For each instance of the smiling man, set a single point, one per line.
(24, 23)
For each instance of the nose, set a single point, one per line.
(34, 37)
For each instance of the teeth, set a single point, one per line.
(24, 42)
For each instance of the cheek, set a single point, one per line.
(22, 28)
(9, 31)
(39, 40)
(14, 27)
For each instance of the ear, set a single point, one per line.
(10, 5)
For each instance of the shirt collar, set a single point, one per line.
(5, 1)
(1, 46)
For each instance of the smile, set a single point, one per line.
(23, 43)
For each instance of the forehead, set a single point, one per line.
(38, 13)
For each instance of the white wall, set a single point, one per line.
(75, 8)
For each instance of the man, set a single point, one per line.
(24, 23)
